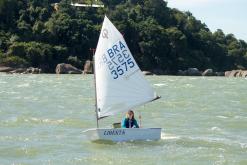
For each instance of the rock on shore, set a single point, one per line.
(189, 72)
(67, 69)
(29, 70)
(88, 69)
(196, 72)
(236, 73)
(6, 69)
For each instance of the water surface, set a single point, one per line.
(42, 117)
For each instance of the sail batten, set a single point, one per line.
(120, 83)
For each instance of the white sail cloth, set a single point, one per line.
(120, 84)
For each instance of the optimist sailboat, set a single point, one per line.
(119, 86)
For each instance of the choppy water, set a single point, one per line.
(42, 117)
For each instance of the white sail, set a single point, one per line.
(120, 84)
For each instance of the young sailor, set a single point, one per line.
(129, 121)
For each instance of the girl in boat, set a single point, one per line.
(129, 121)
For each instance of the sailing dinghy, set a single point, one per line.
(119, 86)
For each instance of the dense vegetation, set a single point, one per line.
(34, 33)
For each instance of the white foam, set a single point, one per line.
(34, 119)
(165, 136)
(188, 85)
(12, 92)
(239, 117)
(23, 85)
(50, 121)
(222, 117)
(160, 84)
(60, 106)
(215, 129)
(243, 145)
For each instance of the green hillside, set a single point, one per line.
(35, 33)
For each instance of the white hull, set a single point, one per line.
(123, 134)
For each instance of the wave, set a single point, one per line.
(222, 117)
(23, 85)
(215, 129)
(165, 136)
(9, 92)
(206, 142)
(210, 142)
(3, 82)
(49, 121)
(188, 86)
(235, 117)
(12, 119)
(14, 138)
(160, 84)
(22, 120)
(240, 117)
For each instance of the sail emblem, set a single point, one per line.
(105, 33)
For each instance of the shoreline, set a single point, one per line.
(189, 72)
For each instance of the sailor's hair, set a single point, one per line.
(130, 111)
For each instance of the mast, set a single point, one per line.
(96, 105)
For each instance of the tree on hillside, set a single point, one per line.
(33, 33)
